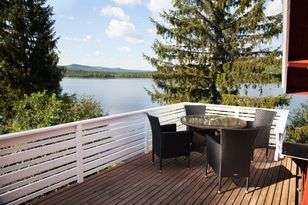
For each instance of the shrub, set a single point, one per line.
(297, 129)
(42, 110)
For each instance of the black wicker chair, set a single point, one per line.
(167, 142)
(263, 120)
(229, 154)
(198, 138)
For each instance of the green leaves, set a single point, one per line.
(28, 57)
(262, 102)
(297, 130)
(41, 110)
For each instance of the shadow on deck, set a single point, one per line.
(140, 182)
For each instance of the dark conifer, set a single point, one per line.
(201, 39)
(28, 52)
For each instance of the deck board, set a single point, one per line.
(286, 184)
(237, 192)
(292, 192)
(139, 182)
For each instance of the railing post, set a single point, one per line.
(280, 133)
(79, 153)
(279, 142)
(237, 112)
(146, 137)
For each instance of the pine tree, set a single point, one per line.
(201, 41)
(28, 56)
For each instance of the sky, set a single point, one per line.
(112, 33)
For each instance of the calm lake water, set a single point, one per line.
(125, 95)
(115, 95)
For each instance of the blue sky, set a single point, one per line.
(111, 33)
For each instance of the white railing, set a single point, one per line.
(38, 161)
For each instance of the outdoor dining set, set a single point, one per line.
(227, 143)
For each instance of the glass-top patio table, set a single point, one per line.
(212, 121)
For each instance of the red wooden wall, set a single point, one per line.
(297, 77)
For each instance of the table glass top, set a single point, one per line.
(213, 121)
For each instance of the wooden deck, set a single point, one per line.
(140, 182)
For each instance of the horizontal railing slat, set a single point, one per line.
(36, 161)
(112, 157)
(112, 132)
(109, 152)
(121, 159)
(17, 175)
(27, 146)
(27, 155)
(43, 191)
(37, 177)
(8, 141)
(22, 191)
(112, 145)
(111, 121)
(110, 139)
(112, 126)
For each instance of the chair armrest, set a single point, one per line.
(213, 153)
(262, 138)
(211, 142)
(168, 128)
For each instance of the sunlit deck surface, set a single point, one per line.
(140, 182)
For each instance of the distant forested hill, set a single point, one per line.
(84, 71)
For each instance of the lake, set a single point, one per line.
(115, 95)
(125, 95)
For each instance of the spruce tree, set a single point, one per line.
(201, 41)
(28, 55)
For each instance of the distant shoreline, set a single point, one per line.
(110, 75)
(82, 71)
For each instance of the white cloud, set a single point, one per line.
(85, 39)
(118, 28)
(157, 6)
(125, 49)
(274, 7)
(97, 53)
(114, 12)
(127, 2)
(134, 39)
(151, 30)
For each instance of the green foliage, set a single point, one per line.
(28, 57)
(250, 70)
(202, 45)
(83, 71)
(297, 129)
(263, 102)
(84, 108)
(273, 70)
(42, 110)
